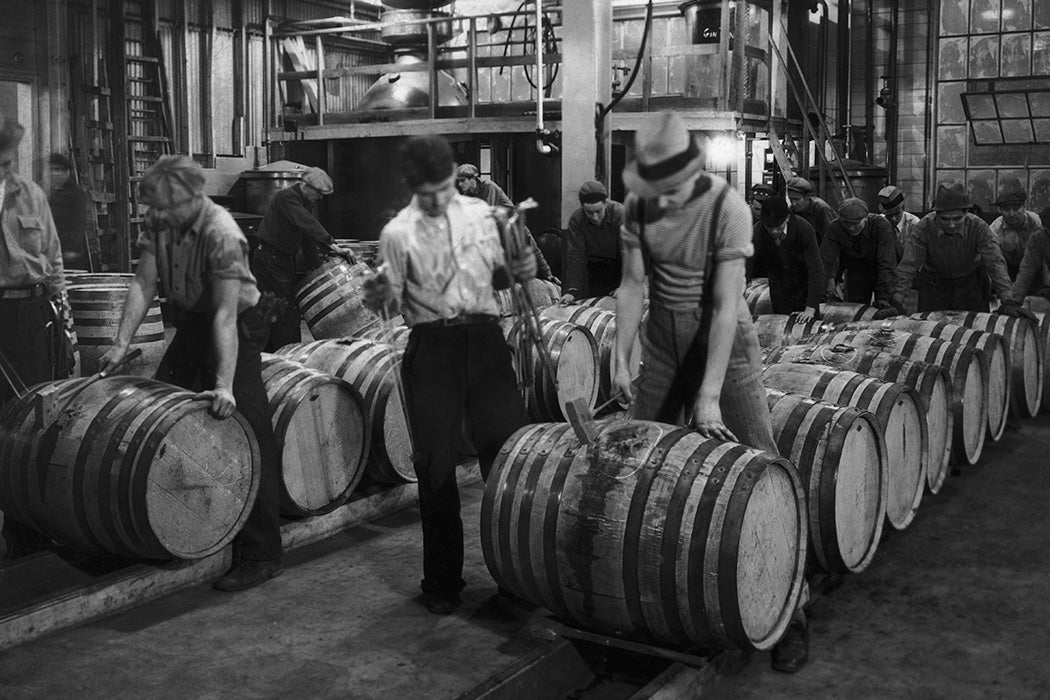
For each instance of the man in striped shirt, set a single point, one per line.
(701, 363)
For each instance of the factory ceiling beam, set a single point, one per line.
(587, 56)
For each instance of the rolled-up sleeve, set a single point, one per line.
(733, 239)
(227, 256)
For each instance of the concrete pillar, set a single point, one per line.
(587, 61)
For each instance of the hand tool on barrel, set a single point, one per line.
(46, 403)
(512, 232)
(581, 417)
(11, 376)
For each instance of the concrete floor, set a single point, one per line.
(956, 606)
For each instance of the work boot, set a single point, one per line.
(248, 573)
(792, 652)
(440, 604)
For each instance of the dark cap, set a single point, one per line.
(853, 209)
(775, 211)
(800, 184)
(891, 197)
(1011, 196)
(951, 198)
(592, 192)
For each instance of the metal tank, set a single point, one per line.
(261, 184)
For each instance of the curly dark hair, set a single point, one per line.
(426, 160)
(10, 134)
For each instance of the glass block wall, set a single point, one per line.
(981, 42)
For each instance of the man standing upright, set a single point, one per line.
(813, 209)
(948, 257)
(193, 252)
(593, 245)
(69, 207)
(30, 278)
(290, 225)
(786, 252)
(441, 257)
(701, 360)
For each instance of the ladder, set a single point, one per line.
(148, 118)
(804, 98)
(91, 140)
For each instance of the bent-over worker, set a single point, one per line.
(593, 245)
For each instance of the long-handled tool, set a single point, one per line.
(47, 404)
(581, 417)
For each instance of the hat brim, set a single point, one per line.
(634, 182)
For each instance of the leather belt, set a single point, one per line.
(461, 320)
(31, 292)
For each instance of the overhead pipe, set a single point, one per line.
(544, 141)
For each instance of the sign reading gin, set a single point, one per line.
(708, 28)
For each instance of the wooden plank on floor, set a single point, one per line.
(141, 583)
(680, 681)
(550, 671)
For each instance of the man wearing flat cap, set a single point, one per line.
(947, 257)
(862, 246)
(593, 245)
(701, 364)
(192, 250)
(30, 278)
(759, 193)
(786, 252)
(813, 209)
(1015, 226)
(891, 206)
(291, 224)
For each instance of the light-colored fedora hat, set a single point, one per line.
(665, 156)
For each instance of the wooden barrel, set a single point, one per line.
(932, 382)
(541, 292)
(994, 356)
(322, 433)
(574, 367)
(1023, 342)
(841, 458)
(131, 467)
(781, 329)
(374, 370)
(845, 312)
(1041, 308)
(602, 325)
(969, 393)
(901, 416)
(331, 302)
(395, 334)
(106, 279)
(653, 532)
(96, 317)
(756, 294)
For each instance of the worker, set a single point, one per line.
(30, 279)
(786, 252)
(693, 229)
(70, 210)
(1033, 276)
(813, 209)
(441, 258)
(948, 257)
(192, 251)
(891, 206)
(861, 246)
(470, 184)
(593, 245)
(759, 193)
(1014, 227)
(290, 225)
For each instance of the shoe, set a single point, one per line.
(248, 573)
(440, 604)
(792, 652)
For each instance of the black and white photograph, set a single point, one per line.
(524, 349)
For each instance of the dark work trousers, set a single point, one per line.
(450, 372)
(27, 341)
(943, 294)
(190, 363)
(275, 272)
(603, 276)
(861, 282)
